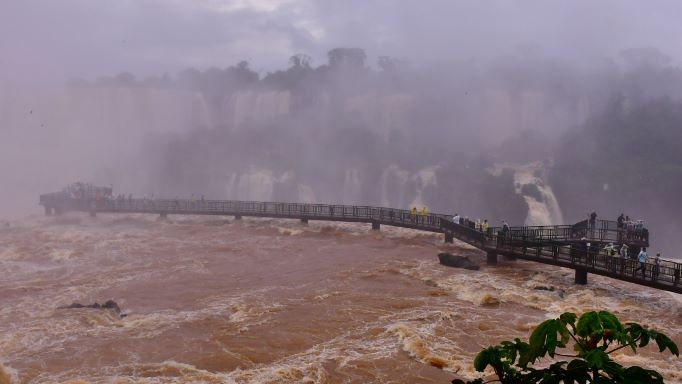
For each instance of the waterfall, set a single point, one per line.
(258, 106)
(393, 186)
(543, 207)
(306, 194)
(205, 114)
(255, 185)
(352, 188)
(383, 113)
(401, 189)
(424, 178)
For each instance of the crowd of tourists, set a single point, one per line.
(478, 225)
(87, 192)
(616, 256)
(621, 258)
(628, 229)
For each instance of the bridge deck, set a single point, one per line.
(574, 255)
(561, 245)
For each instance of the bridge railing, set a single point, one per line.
(603, 231)
(390, 216)
(465, 233)
(541, 243)
(594, 259)
(610, 231)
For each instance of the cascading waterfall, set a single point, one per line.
(424, 179)
(255, 185)
(306, 194)
(260, 107)
(543, 207)
(393, 186)
(352, 187)
(260, 184)
(204, 112)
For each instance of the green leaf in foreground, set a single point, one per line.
(594, 335)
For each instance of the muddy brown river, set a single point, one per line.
(210, 300)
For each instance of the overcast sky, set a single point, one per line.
(54, 40)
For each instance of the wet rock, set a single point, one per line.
(543, 288)
(457, 261)
(559, 291)
(109, 304)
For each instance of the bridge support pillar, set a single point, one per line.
(304, 221)
(581, 276)
(491, 258)
(238, 217)
(376, 226)
(449, 238)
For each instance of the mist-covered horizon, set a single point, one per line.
(535, 114)
(50, 42)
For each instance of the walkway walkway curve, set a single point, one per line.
(561, 245)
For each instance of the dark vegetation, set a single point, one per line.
(593, 337)
(627, 159)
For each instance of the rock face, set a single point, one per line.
(457, 261)
(109, 304)
(560, 292)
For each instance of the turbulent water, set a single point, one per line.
(257, 301)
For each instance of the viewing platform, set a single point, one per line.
(579, 246)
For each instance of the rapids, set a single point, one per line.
(261, 300)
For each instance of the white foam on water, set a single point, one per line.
(94, 259)
(8, 375)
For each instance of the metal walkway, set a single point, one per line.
(561, 245)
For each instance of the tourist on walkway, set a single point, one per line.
(610, 260)
(484, 226)
(505, 228)
(657, 266)
(623, 257)
(642, 262)
(413, 212)
(423, 214)
(455, 219)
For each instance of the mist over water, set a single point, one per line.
(343, 132)
(535, 113)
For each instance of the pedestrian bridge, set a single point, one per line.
(560, 245)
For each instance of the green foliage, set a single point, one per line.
(594, 337)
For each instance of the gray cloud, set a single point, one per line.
(55, 40)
